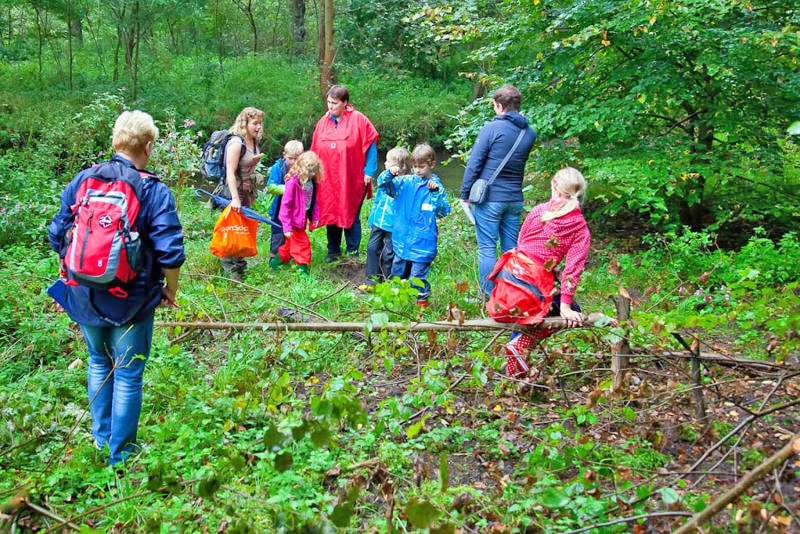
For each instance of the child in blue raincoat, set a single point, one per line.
(419, 200)
(380, 253)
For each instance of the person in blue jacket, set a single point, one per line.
(419, 200)
(275, 185)
(118, 331)
(380, 254)
(498, 217)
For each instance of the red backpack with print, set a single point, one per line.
(523, 289)
(103, 244)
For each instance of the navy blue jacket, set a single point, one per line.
(162, 248)
(493, 143)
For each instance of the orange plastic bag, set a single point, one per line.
(234, 235)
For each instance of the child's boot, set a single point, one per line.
(275, 263)
(516, 349)
(303, 269)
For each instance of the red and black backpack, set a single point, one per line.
(102, 244)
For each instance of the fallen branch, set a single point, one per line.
(793, 447)
(47, 513)
(428, 326)
(629, 519)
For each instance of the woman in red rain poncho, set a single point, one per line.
(345, 141)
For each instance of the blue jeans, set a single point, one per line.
(407, 270)
(495, 220)
(380, 254)
(116, 362)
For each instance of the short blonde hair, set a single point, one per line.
(293, 147)
(423, 153)
(308, 167)
(240, 124)
(132, 131)
(400, 156)
(570, 183)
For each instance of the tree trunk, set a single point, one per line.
(76, 29)
(135, 66)
(116, 53)
(299, 26)
(40, 38)
(327, 72)
(69, 40)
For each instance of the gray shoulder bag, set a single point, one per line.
(480, 188)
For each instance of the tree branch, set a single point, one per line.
(793, 447)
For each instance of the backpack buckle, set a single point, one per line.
(118, 292)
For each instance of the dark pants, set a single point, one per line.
(409, 270)
(352, 236)
(276, 239)
(379, 254)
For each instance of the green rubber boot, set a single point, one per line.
(275, 263)
(303, 269)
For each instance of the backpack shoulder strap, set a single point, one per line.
(508, 156)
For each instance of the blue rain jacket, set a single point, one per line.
(416, 209)
(162, 248)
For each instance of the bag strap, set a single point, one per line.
(508, 156)
(223, 177)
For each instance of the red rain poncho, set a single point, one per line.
(342, 149)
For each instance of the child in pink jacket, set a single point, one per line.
(298, 205)
(524, 282)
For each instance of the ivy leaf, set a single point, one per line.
(283, 462)
(421, 513)
(341, 514)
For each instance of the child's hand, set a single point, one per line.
(287, 235)
(395, 170)
(367, 179)
(433, 186)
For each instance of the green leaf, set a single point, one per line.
(341, 514)
(237, 463)
(447, 528)
(298, 432)
(273, 438)
(321, 437)
(444, 472)
(554, 499)
(794, 129)
(283, 461)
(207, 487)
(421, 513)
(669, 495)
(414, 429)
